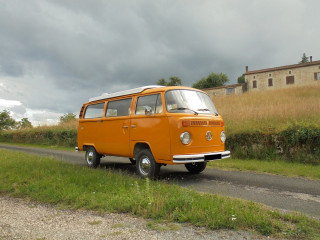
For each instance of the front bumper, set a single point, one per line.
(200, 157)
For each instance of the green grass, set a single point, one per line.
(45, 146)
(273, 167)
(69, 186)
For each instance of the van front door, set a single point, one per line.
(150, 125)
(116, 128)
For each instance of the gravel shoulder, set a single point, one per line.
(22, 219)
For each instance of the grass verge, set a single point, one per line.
(49, 181)
(44, 146)
(291, 169)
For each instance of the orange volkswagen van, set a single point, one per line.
(153, 126)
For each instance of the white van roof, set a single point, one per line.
(123, 93)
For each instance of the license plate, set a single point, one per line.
(212, 157)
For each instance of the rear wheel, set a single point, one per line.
(197, 167)
(92, 157)
(146, 165)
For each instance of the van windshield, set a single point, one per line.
(189, 101)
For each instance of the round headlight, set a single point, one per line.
(223, 136)
(185, 138)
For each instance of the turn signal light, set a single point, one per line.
(222, 124)
(185, 123)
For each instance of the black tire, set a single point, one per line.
(133, 161)
(146, 165)
(92, 157)
(197, 167)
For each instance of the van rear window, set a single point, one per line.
(119, 108)
(94, 111)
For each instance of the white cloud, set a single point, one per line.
(9, 103)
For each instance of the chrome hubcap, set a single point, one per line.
(90, 157)
(145, 165)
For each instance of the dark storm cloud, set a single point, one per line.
(54, 55)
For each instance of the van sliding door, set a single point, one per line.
(116, 128)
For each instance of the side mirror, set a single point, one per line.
(148, 111)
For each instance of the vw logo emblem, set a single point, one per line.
(209, 135)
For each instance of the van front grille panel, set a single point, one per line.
(199, 123)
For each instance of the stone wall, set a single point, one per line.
(225, 90)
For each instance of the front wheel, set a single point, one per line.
(133, 161)
(197, 167)
(146, 165)
(92, 157)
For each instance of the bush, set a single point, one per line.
(295, 144)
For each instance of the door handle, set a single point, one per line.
(125, 126)
(133, 126)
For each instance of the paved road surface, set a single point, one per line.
(289, 194)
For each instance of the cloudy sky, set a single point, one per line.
(55, 55)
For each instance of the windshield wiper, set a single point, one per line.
(180, 108)
(208, 110)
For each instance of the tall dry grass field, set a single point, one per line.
(270, 110)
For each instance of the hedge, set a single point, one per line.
(295, 144)
(65, 138)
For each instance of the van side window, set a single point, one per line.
(119, 108)
(152, 102)
(94, 111)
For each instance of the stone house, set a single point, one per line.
(272, 78)
(283, 77)
(226, 90)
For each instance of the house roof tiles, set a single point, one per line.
(283, 67)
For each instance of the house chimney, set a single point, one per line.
(247, 69)
(310, 58)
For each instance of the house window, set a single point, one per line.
(254, 84)
(270, 75)
(254, 77)
(270, 82)
(290, 72)
(230, 91)
(290, 80)
(317, 76)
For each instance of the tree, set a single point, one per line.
(174, 81)
(241, 79)
(212, 80)
(162, 82)
(24, 123)
(6, 122)
(304, 58)
(68, 117)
